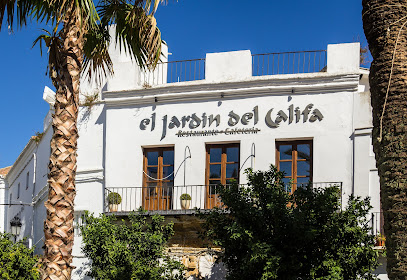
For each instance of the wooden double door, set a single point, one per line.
(158, 183)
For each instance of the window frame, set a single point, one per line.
(212, 199)
(160, 164)
(159, 183)
(27, 180)
(223, 162)
(295, 160)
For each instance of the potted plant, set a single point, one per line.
(380, 240)
(185, 201)
(114, 199)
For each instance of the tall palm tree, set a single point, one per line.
(385, 26)
(78, 41)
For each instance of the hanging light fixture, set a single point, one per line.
(15, 224)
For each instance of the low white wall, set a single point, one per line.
(228, 66)
(343, 58)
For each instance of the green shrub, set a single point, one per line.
(114, 198)
(132, 249)
(17, 262)
(185, 196)
(269, 233)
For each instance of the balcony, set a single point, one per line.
(165, 200)
(262, 64)
(376, 223)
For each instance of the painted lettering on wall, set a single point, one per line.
(273, 119)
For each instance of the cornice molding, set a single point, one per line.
(318, 83)
(89, 175)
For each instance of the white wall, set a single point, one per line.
(331, 136)
(127, 74)
(2, 201)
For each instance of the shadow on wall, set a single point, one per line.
(210, 270)
(381, 270)
(82, 267)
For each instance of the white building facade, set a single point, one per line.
(187, 126)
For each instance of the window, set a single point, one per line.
(18, 191)
(11, 198)
(295, 159)
(79, 218)
(222, 166)
(27, 181)
(158, 184)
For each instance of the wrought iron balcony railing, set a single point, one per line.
(164, 199)
(289, 63)
(262, 64)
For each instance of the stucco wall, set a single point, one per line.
(2, 201)
(331, 136)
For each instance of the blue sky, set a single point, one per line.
(191, 28)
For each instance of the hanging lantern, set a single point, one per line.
(15, 224)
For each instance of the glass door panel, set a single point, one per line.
(222, 167)
(158, 186)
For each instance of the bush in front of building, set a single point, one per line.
(268, 233)
(131, 249)
(17, 262)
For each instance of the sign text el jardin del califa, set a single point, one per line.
(207, 125)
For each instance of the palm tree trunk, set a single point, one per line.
(382, 22)
(58, 227)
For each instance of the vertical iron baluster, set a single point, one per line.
(309, 61)
(185, 71)
(190, 70)
(278, 64)
(283, 54)
(299, 58)
(272, 66)
(194, 69)
(254, 74)
(314, 62)
(319, 62)
(258, 65)
(303, 65)
(204, 70)
(171, 72)
(176, 71)
(268, 63)
(262, 68)
(288, 64)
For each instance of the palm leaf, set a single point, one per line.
(136, 28)
(20, 9)
(97, 60)
(54, 45)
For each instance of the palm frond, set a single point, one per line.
(19, 9)
(136, 29)
(54, 45)
(97, 60)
